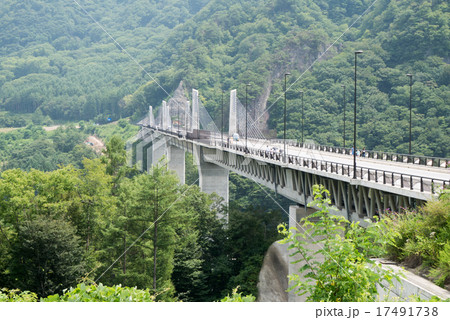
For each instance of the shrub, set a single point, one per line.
(421, 238)
(17, 296)
(237, 297)
(101, 293)
(345, 273)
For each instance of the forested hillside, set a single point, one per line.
(57, 60)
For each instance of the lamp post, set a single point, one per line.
(410, 112)
(303, 117)
(246, 112)
(284, 136)
(343, 106)
(354, 120)
(221, 130)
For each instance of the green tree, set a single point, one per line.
(46, 256)
(201, 264)
(142, 231)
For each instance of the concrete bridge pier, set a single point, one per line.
(159, 150)
(142, 149)
(212, 178)
(176, 162)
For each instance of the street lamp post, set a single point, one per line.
(246, 112)
(221, 130)
(343, 106)
(303, 117)
(354, 120)
(284, 136)
(410, 112)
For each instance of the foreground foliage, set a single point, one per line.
(101, 293)
(238, 297)
(17, 296)
(421, 238)
(345, 273)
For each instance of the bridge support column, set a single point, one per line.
(142, 149)
(212, 178)
(176, 162)
(159, 150)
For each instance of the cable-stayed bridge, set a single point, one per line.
(379, 181)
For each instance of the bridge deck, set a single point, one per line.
(405, 176)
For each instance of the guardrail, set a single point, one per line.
(379, 155)
(404, 181)
(388, 156)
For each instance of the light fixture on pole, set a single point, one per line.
(343, 106)
(221, 130)
(354, 120)
(246, 112)
(410, 112)
(303, 117)
(284, 135)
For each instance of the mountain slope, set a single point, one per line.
(77, 72)
(55, 58)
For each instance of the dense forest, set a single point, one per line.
(68, 67)
(109, 223)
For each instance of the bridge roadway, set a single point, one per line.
(380, 184)
(435, 173)
(438, 176)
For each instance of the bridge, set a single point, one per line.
(380, 181)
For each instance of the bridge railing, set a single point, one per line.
(404, 181)
(388, 156)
